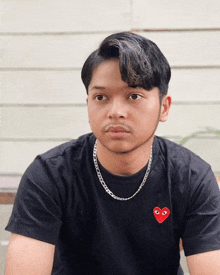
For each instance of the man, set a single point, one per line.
(119, 200)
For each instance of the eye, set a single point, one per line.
(157, 212)
(135, 96)
(164, 213)
(100, 97)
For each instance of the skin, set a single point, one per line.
(28, 256)
(207, 263)
(111, 105)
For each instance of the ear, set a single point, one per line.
(165, 108)
(87, 100)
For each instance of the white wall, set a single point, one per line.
(44, 44)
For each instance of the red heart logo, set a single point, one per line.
(161, 214)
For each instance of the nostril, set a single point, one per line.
(117, 111)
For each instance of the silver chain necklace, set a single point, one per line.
(104, 184)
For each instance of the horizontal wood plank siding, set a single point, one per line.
(17, 155)
(24, 16)
(44, 122)
(42, 87)
(25, 152)
(46, 87)
(178, 15)
(69, 122)
(30, 128)
(182, 49)
(44, 45)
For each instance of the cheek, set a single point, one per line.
(93, 111)
(150, 111)
(95, 117)
(149, 116)
(96, 112)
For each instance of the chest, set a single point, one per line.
(145, 222)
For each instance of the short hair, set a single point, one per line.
(141, 62)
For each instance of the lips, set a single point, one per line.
(117, 129)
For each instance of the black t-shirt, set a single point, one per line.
(61, 201)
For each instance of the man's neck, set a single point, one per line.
(124, 164)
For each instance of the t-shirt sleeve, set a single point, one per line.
(202, 220)
(37, 210)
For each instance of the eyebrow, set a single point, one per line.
(96, 87)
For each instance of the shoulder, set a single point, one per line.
(60, 161)
(64, 159)
(53, 171)
(189, 175)
(64, 156)
(185, 170)
(72, 149)
(179, 157)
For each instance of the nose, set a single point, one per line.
(117, 109)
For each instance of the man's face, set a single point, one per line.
(122, 118)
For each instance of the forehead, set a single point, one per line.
(107, 74)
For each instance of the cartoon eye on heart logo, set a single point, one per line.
(161, 214)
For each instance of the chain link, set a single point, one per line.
(104, 184)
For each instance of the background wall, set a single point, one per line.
(43, 46)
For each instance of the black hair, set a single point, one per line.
(140, 60)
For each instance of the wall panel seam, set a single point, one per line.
(106, 32)
(14, 69)
(80, 105)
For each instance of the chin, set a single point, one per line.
(119, 147)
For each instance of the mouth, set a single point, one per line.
(117, 131)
